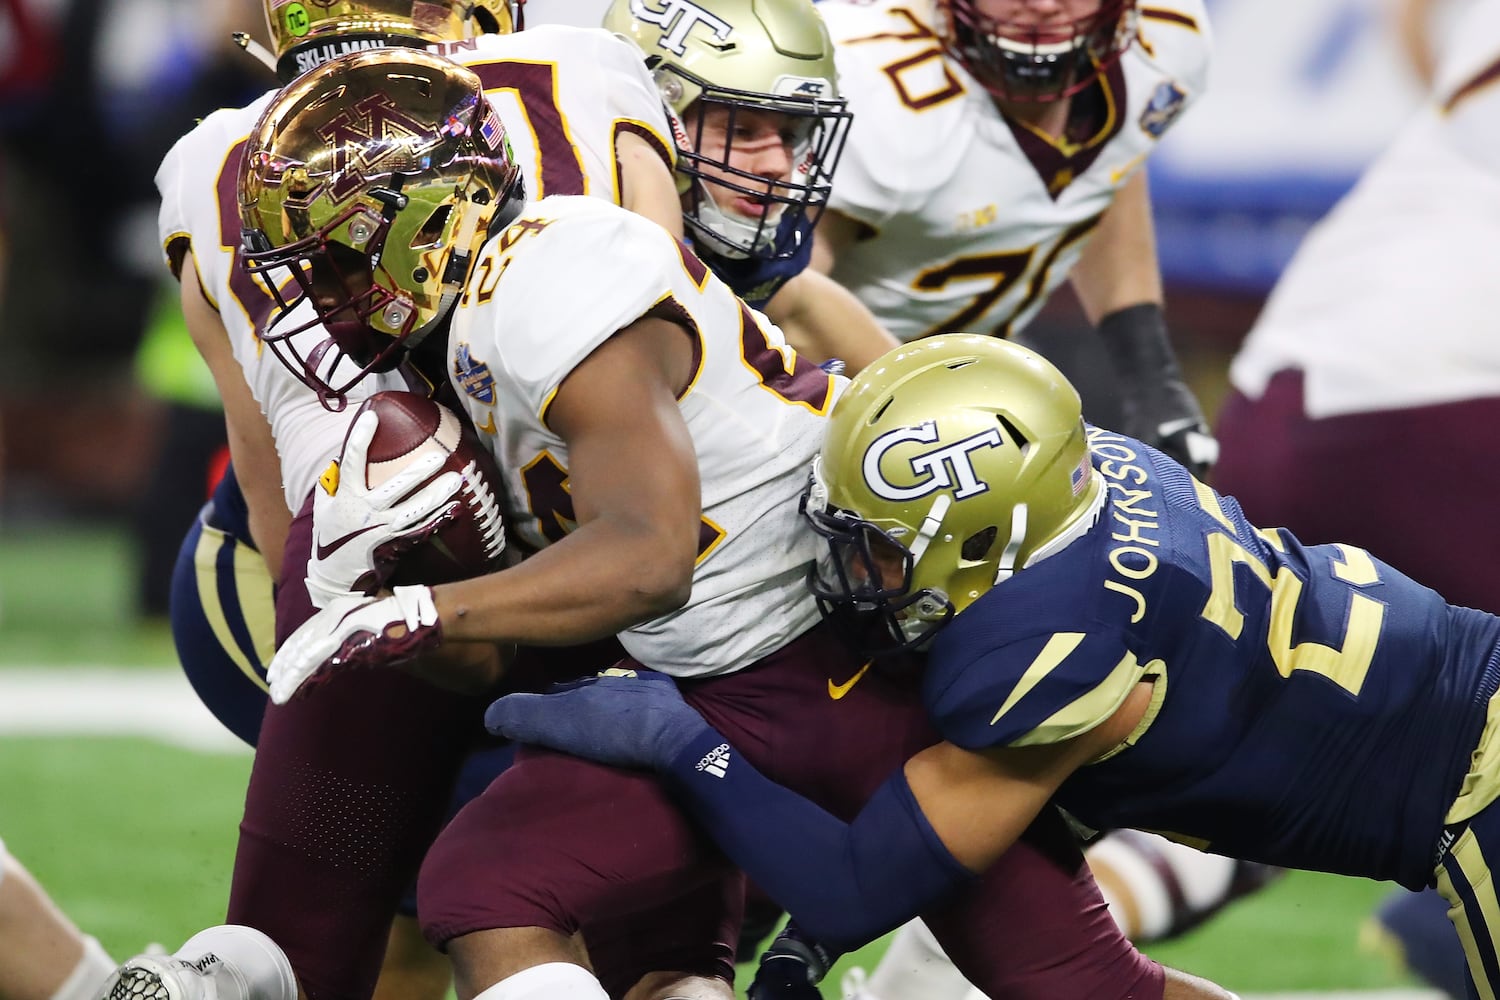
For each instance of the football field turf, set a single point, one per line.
(123, 797)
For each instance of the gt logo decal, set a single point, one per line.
(942, 468)
(677, 18)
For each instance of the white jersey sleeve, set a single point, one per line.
(975, 218)
(1388, 301)
(1467, 91)
(565, 95)
(550, 327)
(569, 274)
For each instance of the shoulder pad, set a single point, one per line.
(1035, 690)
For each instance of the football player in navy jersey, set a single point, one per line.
(1098, 629)
(759, 125)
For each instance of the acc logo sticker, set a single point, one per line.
(1167, 102)
(474, 376)
(948, 467)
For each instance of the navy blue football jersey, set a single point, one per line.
(1312, 707)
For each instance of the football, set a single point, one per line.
(473, 541)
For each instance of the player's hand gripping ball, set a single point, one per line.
(410, 500)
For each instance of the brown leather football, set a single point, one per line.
(473, 540)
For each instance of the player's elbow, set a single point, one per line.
(662, 585)
(663, 578)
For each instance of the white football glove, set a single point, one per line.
(353, 632)
(359, 533)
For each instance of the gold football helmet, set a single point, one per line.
(744, 56)
(373, 180)
(312, 32)
(949, 464)
(1034, 63)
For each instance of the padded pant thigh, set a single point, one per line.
(556, 841)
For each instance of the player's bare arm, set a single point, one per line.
(252, 448)
(1118, 267)
(836, 232)
(646, 183)
(634, 483)
(822, 319)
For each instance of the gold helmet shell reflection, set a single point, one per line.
(373, 180)
(305, 33)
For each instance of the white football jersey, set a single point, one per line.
(564, 95)
(1389, 301)
(977, 218)
(567, 276)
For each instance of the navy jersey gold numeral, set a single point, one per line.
(1312, 707)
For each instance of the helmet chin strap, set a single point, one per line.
(931, 524)
(1007, 566)
(736, 230)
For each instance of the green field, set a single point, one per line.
(134, 838)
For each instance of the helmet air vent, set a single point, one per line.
(430, 235)
(422, 84)
(1013, 434)
(978, 545)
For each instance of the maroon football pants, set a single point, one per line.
(350, 783)
(556, 841)
(1415, 486)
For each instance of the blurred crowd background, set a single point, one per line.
(107, 418)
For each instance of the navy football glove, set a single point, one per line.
(791, 968)
(622, 718)
(1159, 407)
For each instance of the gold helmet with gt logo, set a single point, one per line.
(744, 56)
(949, 464)
(308, 32)
(369, 185)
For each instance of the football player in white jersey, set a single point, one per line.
(754, 89)
(1370, 378)
(654, 367)
(585, 118)
(997, 149)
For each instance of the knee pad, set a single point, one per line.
(549, 981)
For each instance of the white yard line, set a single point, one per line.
(104, 701)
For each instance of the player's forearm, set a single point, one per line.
(647, 185)
(1118, 266)
(465, 667)
(601, 579)
(845, 883)
(823, 320)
